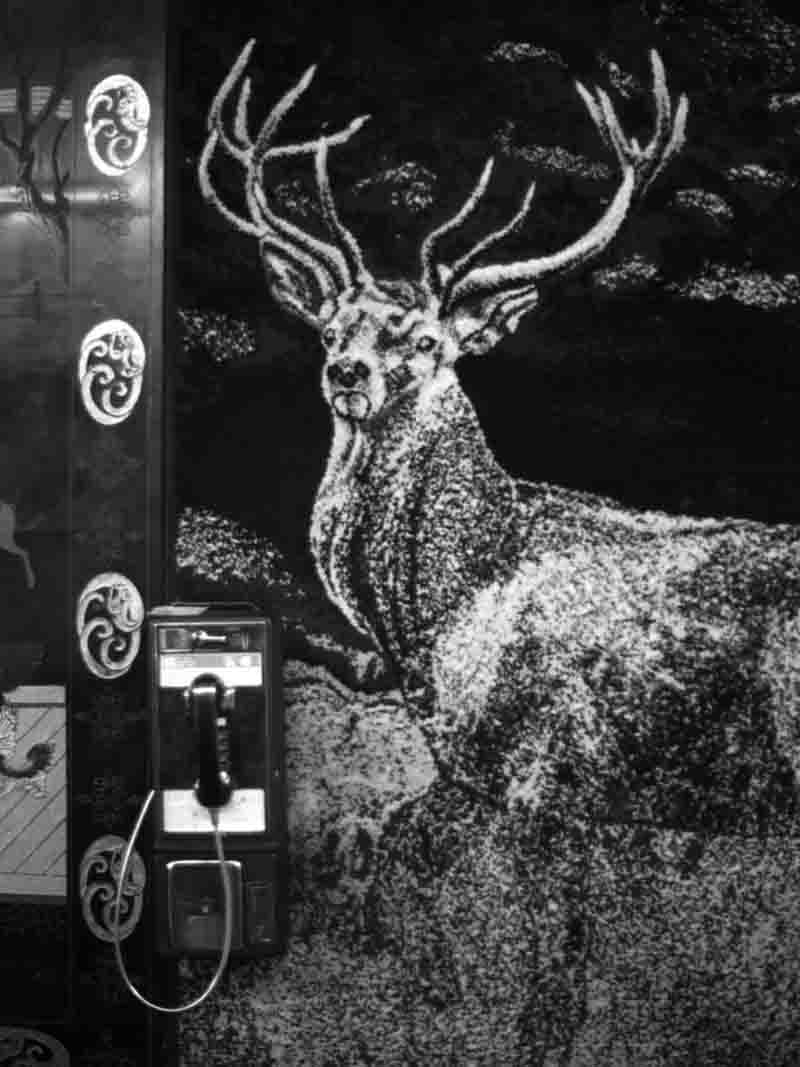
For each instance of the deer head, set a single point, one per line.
(384, 340)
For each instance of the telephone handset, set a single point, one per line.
(211, 707)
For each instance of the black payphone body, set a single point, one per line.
(217, 743)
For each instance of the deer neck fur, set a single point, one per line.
(412, 513)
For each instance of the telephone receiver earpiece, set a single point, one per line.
(210, 706)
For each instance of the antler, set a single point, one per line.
(338, 266)
(640, 167)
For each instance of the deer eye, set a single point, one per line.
(328, 336)
(426, 343)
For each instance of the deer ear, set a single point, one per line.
(307, 294)
(479, 326)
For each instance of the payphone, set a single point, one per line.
(217, 775)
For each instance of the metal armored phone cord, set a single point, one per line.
(227, 889)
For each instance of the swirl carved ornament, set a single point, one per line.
(110, 371)
(109, 622)
(99, 877)
(117, 121)
(22, 1047)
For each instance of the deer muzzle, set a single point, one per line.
(348, 384)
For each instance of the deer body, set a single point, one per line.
(543, 636)
(514, 611)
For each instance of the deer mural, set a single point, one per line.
(546, 638)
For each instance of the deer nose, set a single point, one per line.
(348, 373)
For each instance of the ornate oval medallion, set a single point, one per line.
(109, 620)
(110, 371)
(100, 868)
(20, 1046)
(117, 119)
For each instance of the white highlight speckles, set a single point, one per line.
(224, 337)
(624, 82)
(551, 157)
(516, 51)
(709, 203)
(467, 657)
(410, 185)
(759, 175)
(783, 102)
(221, 549)
(754, 288)
(544, 619)
(336, 512)
(634, 273)
(780, 662)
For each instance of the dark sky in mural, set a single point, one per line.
(665, 376)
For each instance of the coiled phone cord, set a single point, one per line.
(227, 890)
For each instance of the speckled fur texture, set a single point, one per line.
(430, 927)
(570, 839)
(548, 638)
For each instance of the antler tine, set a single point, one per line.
(254, 229)
(668, 136)
(240, 121)
(513, 275)
(344, 237)
(640, 167)
(214, 121)
(256, 197)
(253, 155)
(270, 229)
(272, 152)
(269, 127)
(430, 277)
(309, 148)
(256, 226)
(462, 265)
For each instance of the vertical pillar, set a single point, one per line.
(116, 522)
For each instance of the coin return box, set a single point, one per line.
(197, 905)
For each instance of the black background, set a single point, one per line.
(655, 399)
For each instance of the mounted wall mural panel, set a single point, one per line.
(543, 684)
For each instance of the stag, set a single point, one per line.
(543, 635)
